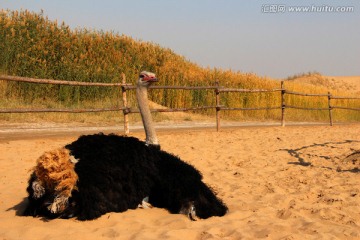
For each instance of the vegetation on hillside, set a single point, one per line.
(33, 46)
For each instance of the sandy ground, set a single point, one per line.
(279, 183)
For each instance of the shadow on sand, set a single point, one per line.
(300, 156)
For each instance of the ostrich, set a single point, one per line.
(101, 173)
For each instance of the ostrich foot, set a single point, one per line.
(145, 203)
(189, 210)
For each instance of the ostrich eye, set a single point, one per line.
(142, 76)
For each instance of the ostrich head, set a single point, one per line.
(145, 80)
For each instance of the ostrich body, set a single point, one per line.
(116, 173)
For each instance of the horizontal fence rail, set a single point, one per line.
(58, 82)
(131, 110)
(218, 107)
(306, 94)
(248, 90)
(347, 98)
(60, 110)
(304, 108)
(129, 87)
(244, 109)
(345, 108)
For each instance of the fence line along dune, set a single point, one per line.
(284, 99)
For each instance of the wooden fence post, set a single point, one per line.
(217, 106)
(330, 109)
(282, 104)
(125, 110)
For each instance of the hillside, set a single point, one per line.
(349, 84)
(33, 46)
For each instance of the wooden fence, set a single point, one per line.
(217, 88)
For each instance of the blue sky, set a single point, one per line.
(249, 36)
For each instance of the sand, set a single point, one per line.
(279, 183)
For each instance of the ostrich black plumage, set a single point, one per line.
(115, 173)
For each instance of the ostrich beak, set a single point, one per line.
(150, 79)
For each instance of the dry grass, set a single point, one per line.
(349, 85)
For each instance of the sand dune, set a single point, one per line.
(350, 85)
(279, 183)
(345, 83)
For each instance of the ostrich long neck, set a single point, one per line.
(142, 98)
